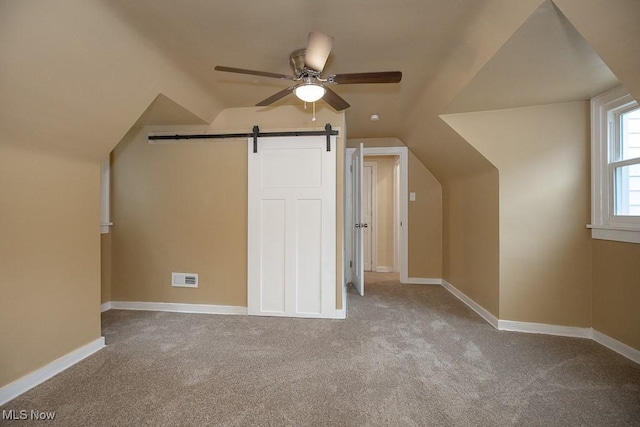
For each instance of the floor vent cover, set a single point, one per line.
(184, 280)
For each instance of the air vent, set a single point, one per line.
(184, 280)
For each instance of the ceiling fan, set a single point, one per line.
(307, 65)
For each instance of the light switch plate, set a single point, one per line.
(412, 197)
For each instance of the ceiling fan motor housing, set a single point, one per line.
(297, 62)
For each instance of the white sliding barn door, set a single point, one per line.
(292, 227)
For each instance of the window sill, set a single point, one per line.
(105, 227)
(616, 234)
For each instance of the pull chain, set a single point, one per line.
(313, 119)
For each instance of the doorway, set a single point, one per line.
(381, 195)
(353, 237)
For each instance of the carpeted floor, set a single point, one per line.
(407, 355)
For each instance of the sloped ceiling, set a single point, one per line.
(92, 67)
(74, 78)
(458, 55)
(163, 111)
(545, 62)
(612, 29)
(413, 37)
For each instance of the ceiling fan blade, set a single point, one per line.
(275, 97)
(253, 72)
(318, 48)
(376, 77)
(333, 99)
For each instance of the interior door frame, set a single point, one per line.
(396, 216)
(403, 154)
(373, 227)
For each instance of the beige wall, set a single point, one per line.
(470, 237)
(542, 155)
(616, 290)
(182, 207)
(179, 208)
(425, 222)
(75, 88)
(49, 258)
(425, 214)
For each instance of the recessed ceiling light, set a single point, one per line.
(375, 117)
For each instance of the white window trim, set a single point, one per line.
(604, 225)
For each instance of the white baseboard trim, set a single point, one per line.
(178, 308)
(105, 307)
(194, 308)
(543, 328)
(615, 345)
(29, 381)
(384, 269)
(421, 281)
(481, 311)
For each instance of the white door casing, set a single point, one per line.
(292, 227)
(367, 172)
(402, 213)
(396, 216)
(369, 206)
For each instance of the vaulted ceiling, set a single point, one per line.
(545, 60)
(414, 37)
(81, 66)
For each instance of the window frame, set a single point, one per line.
(605, 109)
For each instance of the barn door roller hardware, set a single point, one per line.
(255, 134)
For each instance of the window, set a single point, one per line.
(627, 165)
(615, 151)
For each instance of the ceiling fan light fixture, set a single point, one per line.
(310, 92)
(307, 65)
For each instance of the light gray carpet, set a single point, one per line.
(408, 355)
